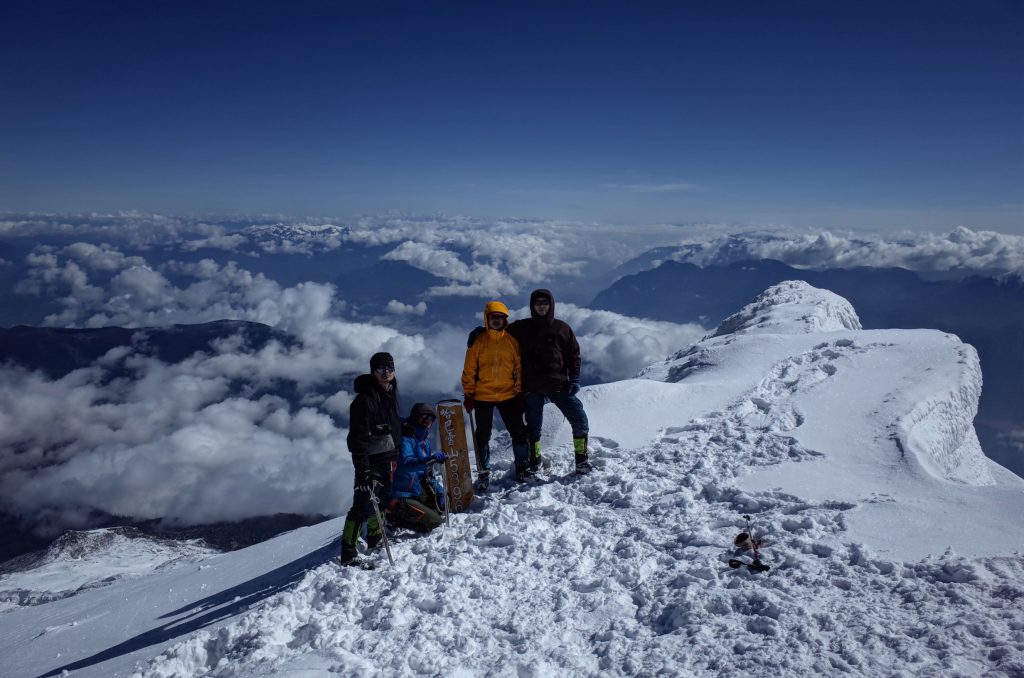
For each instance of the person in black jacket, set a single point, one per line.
(374, 437)
(550, 357)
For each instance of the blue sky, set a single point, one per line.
(876, 115)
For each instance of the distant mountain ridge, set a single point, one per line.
(58, 350)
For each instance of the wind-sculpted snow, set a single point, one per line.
(792, 306)
(877, 568)
(939, 430)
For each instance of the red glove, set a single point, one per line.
(468, 403)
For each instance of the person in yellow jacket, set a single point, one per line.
(492, 378)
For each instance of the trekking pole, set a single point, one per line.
(445, 482)
(476, 452)
(380, 521)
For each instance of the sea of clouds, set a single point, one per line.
(132, 436)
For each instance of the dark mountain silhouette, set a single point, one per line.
(56, 351)
(987, 313)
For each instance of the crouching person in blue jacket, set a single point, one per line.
(417, 497)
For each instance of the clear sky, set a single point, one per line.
(834, 114)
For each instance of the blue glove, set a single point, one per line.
(438, 457)
(574, 388)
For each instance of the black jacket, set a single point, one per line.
(549, 350)
(372, 416)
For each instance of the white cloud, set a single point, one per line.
(398, 308)
(136, 228)
(963, 248)
(614, 346)
(167, 444)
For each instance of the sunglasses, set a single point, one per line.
(385, 370)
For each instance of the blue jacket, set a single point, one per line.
(413, 465)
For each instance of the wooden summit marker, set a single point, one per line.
(451, 429)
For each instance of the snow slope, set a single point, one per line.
(893, 541)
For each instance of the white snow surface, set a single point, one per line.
(792, 306)
(83, 560)
(894, 544)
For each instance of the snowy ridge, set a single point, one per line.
(79, 561)
(877, 568)
(297, 238)
(792, 306)
(939, 430)
(296, 231)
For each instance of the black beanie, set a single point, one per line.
(381, 360)
(420, 409)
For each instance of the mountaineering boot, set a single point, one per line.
(349, 553)
(583, 465)
(535, 458)
(521, 454)
(373, 533)
(483, 481)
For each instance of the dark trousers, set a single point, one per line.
(511, 414)
(568, 405)
(382, 468)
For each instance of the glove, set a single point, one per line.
(574, 388)
(364, 478)
(438, 457)
(467, 402)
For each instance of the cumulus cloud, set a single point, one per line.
(398, 308)
(496, 258)
(170, 442)
(135, 228)
(617, 347)
(961, 249)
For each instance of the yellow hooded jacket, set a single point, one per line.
(492, 372)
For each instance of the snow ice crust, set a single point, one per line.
(893, 542)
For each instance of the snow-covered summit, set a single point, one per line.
(792, 306)
(296, 231)
(894, 546)
(297, 238)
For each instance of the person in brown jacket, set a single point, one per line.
(491, 379)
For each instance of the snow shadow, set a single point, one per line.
(212, 609)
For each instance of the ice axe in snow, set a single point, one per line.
(380, 521)
(747, 541)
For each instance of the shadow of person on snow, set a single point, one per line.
(199, 614)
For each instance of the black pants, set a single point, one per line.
(511, 414)
(382, 468)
